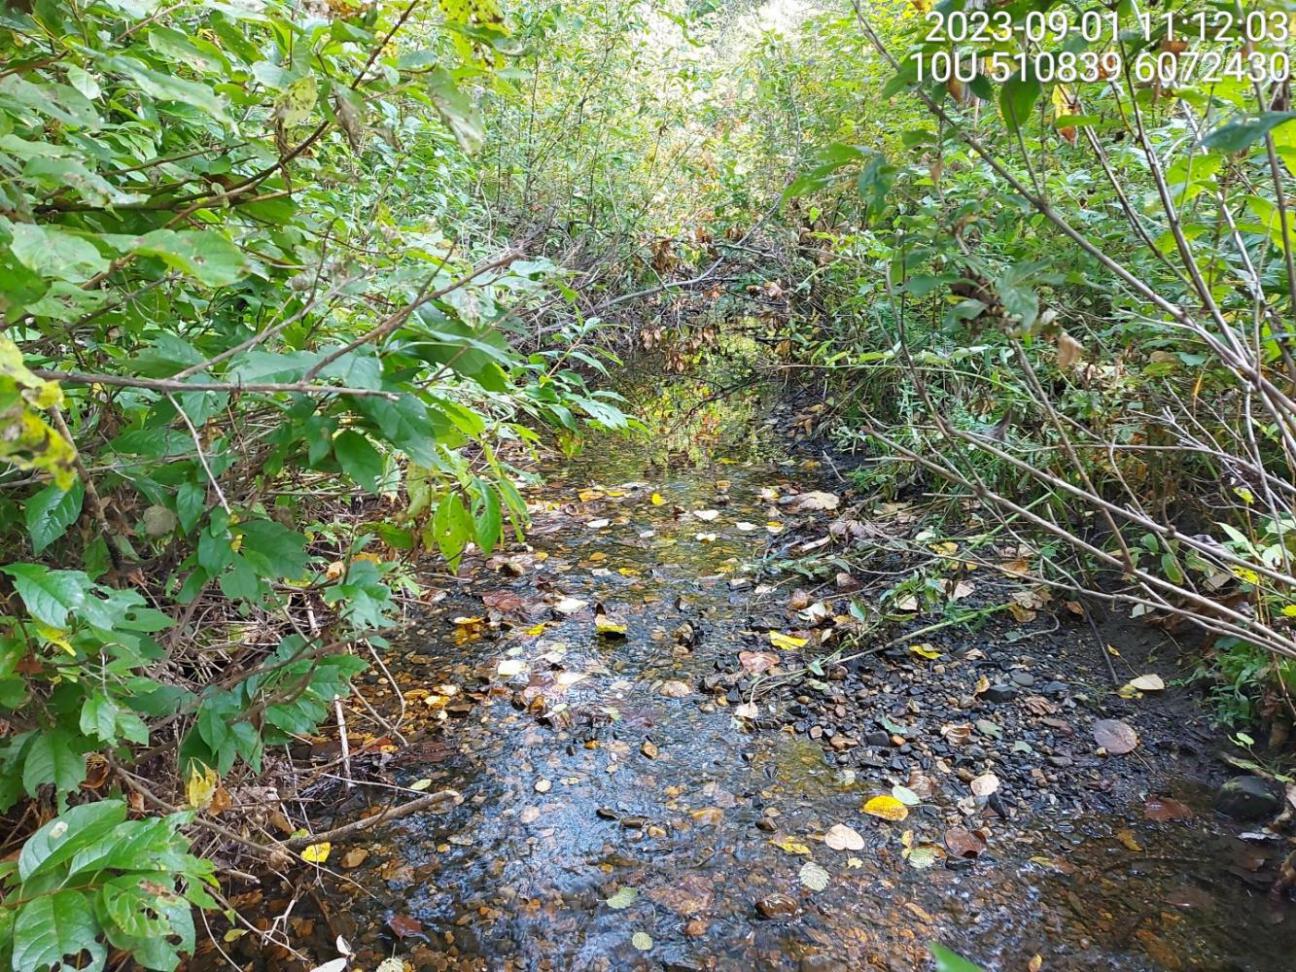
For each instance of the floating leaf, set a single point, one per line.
(404, 926)
(623, 898)
(840, 837)
(642, 941)
(657, 499)
(608, 624)
(906, 796)
(813, 876)
(317, 853)
(790, 845)
(887, 807)
(510, 667)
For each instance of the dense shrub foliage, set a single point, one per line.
(235, 299)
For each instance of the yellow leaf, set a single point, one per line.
(607, 625)
(535, 629)
(586, 495)
(791, 845)
(887, 807)
(947, 548)
(55, 636)
(202, 784)
(1246, 574)
(787, 642)
(317, 853)
(657, 499)
(925, 651)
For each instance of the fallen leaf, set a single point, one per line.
(813, 876)
(649, 749)
(1126, 837)
(1164, 809)
(887, 807)
(747, 710)
(404, 926)
(790, 845)
(622, 899)
(510, 667)
(570, 605)
(925, 651)
(906, 796)
(705, 537)
(985, 784)
(1016, 568)
(316, 853)
(964, 843)
(598, 524)
(675, 689)
(608, 624)
(354, 857)
(924, 856)
(1115, 736)
(657, 499)
(706, 516)
(1069, 350)
(745, 527)
(336, 965)
(757, 662)
(642, 941)
(960, 590)
(543, 786)
(840, 837)
(810, 502)
(787, 642)
(1146, 683)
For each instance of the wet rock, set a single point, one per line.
(1246, 798)
(878, 739)
(1024, 679)
(999, 694)
(1055, 689)
(777, 906)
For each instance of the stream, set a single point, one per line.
(616, 814)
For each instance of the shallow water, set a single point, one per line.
(604, 788)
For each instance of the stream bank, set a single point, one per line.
(639, 789)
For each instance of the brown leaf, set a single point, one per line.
(757, 662)
(404, 926)
(964, 843)
(1115, 736)
(354, 857)
(1164, 809)
(1069, 350)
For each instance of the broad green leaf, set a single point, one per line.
(52, 759)
(50, 512)
(359, 459)
(56, 253)
(49, 595)
(1236, 136)
(53, 927)
(1017, 97)
(68, 833)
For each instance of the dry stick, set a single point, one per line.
(1227, 620)
(343, 739)
(396, 813)
(202, 457)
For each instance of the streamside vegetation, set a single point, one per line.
(291, 291)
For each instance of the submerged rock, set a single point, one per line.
(1246, 798)
(777, 906)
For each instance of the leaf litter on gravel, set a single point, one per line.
(1115, 736)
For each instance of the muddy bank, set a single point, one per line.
(641, 789)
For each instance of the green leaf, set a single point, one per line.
(1236, 136)
(52, 759)
(52, 252)
(359, 459)
(947, 961)
(52, 927)
(49, 595)
(50, 512)
(206, 255)
(1017, 97)
(452, 528)
(68, 833)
